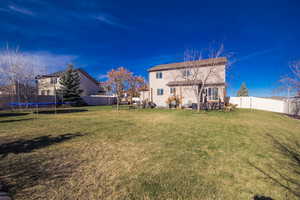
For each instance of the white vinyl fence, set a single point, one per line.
(289, 106)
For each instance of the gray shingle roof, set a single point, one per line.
(59, 73)
(55, 74)
(180, 65)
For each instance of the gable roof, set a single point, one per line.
(60, 73)
(55, 74)
(180, 65)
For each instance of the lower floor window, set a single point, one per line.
(212, 93)
(45, 92)
(160, 91)
(172, 90)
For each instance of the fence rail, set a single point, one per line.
(100, 100)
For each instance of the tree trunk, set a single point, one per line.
(199, 99)
(118, 103)
(198, 104)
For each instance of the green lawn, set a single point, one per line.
(99, 153)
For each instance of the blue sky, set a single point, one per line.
(264, 36)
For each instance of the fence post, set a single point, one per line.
(240, 102)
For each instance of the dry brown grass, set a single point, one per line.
(142, 154)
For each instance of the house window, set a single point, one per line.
(160, 91)
(48, 92)
(186, 73)
(159, 75)
(53, 80)
(43, 92)
(212, 94)
(173, 90)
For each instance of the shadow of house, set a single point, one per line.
(15, 120)
(12, 114)
(286, 171)
(26, 146)
(62, 111)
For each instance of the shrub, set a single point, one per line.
(174, 101)
(148, 104)
(230, 107)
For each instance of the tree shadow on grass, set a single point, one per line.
(259, 197)
(43, 169)
(26, 146)
(12, 114)
(286, 171)
(62, 111)
(23, 176)
(15, 120)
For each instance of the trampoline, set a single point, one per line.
(35, 104)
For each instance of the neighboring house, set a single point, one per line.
(102, 88)
(17, 89)
(8, 90)
(145, 95)
(49, 84)
(163, 83)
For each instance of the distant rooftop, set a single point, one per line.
(180, 65)
(59, 73)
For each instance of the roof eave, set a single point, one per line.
(186, 83)
(172, 68)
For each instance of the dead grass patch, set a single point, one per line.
(143, 154)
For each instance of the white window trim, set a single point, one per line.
(160, 91)
(211, 96)
(159, 75)
(172, 90)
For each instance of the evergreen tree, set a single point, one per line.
(243, 91)
(70, 82)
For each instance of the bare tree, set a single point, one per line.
(195, 77)
(291, 83)
(18, 72)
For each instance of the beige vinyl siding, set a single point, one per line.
(45, 87)
(186, 92)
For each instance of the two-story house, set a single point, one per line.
(167, 80)
(49, 84)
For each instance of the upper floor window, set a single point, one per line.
(186, 73)
(212, 93)
(53, 80)
(160, 91)
(159, 75)
(173, 90)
